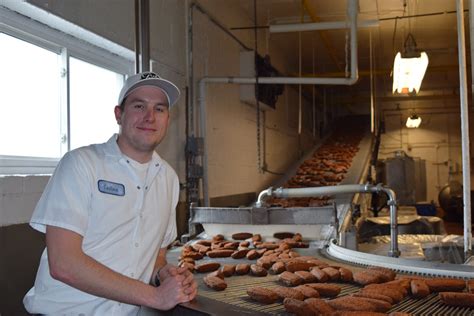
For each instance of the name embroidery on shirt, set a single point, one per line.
(113, 188)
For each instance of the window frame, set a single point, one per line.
(71, 41)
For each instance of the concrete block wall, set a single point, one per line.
(18, 197)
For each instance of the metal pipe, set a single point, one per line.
(137, 36)
(352, 13)
(203, 125)
(392, 203)
(466, 172)
(318, 191)
(144, 35)
(372, 106)
(303, 27)
(264, 193)
(354, 76)
(471, 39)
(280, 80)
(190, 72)
(344, 189)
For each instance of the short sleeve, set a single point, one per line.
(65, 200)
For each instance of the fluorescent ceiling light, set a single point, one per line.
(409, 68)
(408, 73)
(413, 121)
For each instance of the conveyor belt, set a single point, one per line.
(234, 300)
(405, 266)
(236, 295)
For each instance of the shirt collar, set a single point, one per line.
(113, 151)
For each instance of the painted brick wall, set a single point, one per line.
(18, 197)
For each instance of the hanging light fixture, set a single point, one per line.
(413, 121)
(409, 68)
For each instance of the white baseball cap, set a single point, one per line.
(149, 79)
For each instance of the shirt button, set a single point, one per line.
(132, 274)
(136, 244)
(141, 215)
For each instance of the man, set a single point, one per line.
(109, 214)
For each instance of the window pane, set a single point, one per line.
(94, 93)
(29, 104)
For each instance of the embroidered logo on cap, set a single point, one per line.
(147, 75)
(113, 188)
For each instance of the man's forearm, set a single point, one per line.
(92, 277)
(69, 264)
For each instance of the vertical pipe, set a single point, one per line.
(313, 90)
(466, 172)
(352, 13)
(144, 34)
(392, 203)
(300, 93)
(260, 163)
(377, 116)
(300, 87)
(190, 71)
(137, 36)
(203, 124)
(471, 29)
(192, 187)
(372, 110)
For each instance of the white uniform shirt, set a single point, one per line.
(96, 193)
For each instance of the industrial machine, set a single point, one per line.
(327, 217)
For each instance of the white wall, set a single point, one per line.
(231, 125)
(437, 140)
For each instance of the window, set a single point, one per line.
(58, 93)
(30, 103)
(93, 94)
